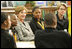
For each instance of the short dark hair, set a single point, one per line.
(35, 8)
(50, 18)
(4, 17)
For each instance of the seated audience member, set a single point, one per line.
(24, 32)
(7, 40)
(62, 22)
(51, 37)
(13, 24)
(36, 22)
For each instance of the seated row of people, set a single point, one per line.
(29, 31)
(53, 35)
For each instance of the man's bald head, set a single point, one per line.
(13, 19)
(13, 16)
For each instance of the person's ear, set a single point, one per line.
(33, 13)
(17, 15)
(54, 23)
(5, 22)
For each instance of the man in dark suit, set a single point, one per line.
(7, 39)
(50, 37)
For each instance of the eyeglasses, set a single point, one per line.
(62, 9)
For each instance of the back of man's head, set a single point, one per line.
(4, 17)
(50, 20)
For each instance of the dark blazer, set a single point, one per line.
(62, 24)
(34, 25)
(52, 38)
(7, 41)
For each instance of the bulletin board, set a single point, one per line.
(40, 3)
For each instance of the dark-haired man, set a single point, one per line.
(7, 40)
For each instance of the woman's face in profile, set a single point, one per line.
(22, 15)
(37, 13)
(14, 20)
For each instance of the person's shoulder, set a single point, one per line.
(30, 21)
(39, 32)
(62, 32)
(25, 22)
(66, 19)
(6, 36)
(59, 31)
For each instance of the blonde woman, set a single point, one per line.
(24, 32)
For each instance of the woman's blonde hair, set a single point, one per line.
(62, 4)
(19, 9)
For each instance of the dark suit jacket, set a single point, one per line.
(34, 25)
(7, 41)
(62, 24)
(52, 38)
